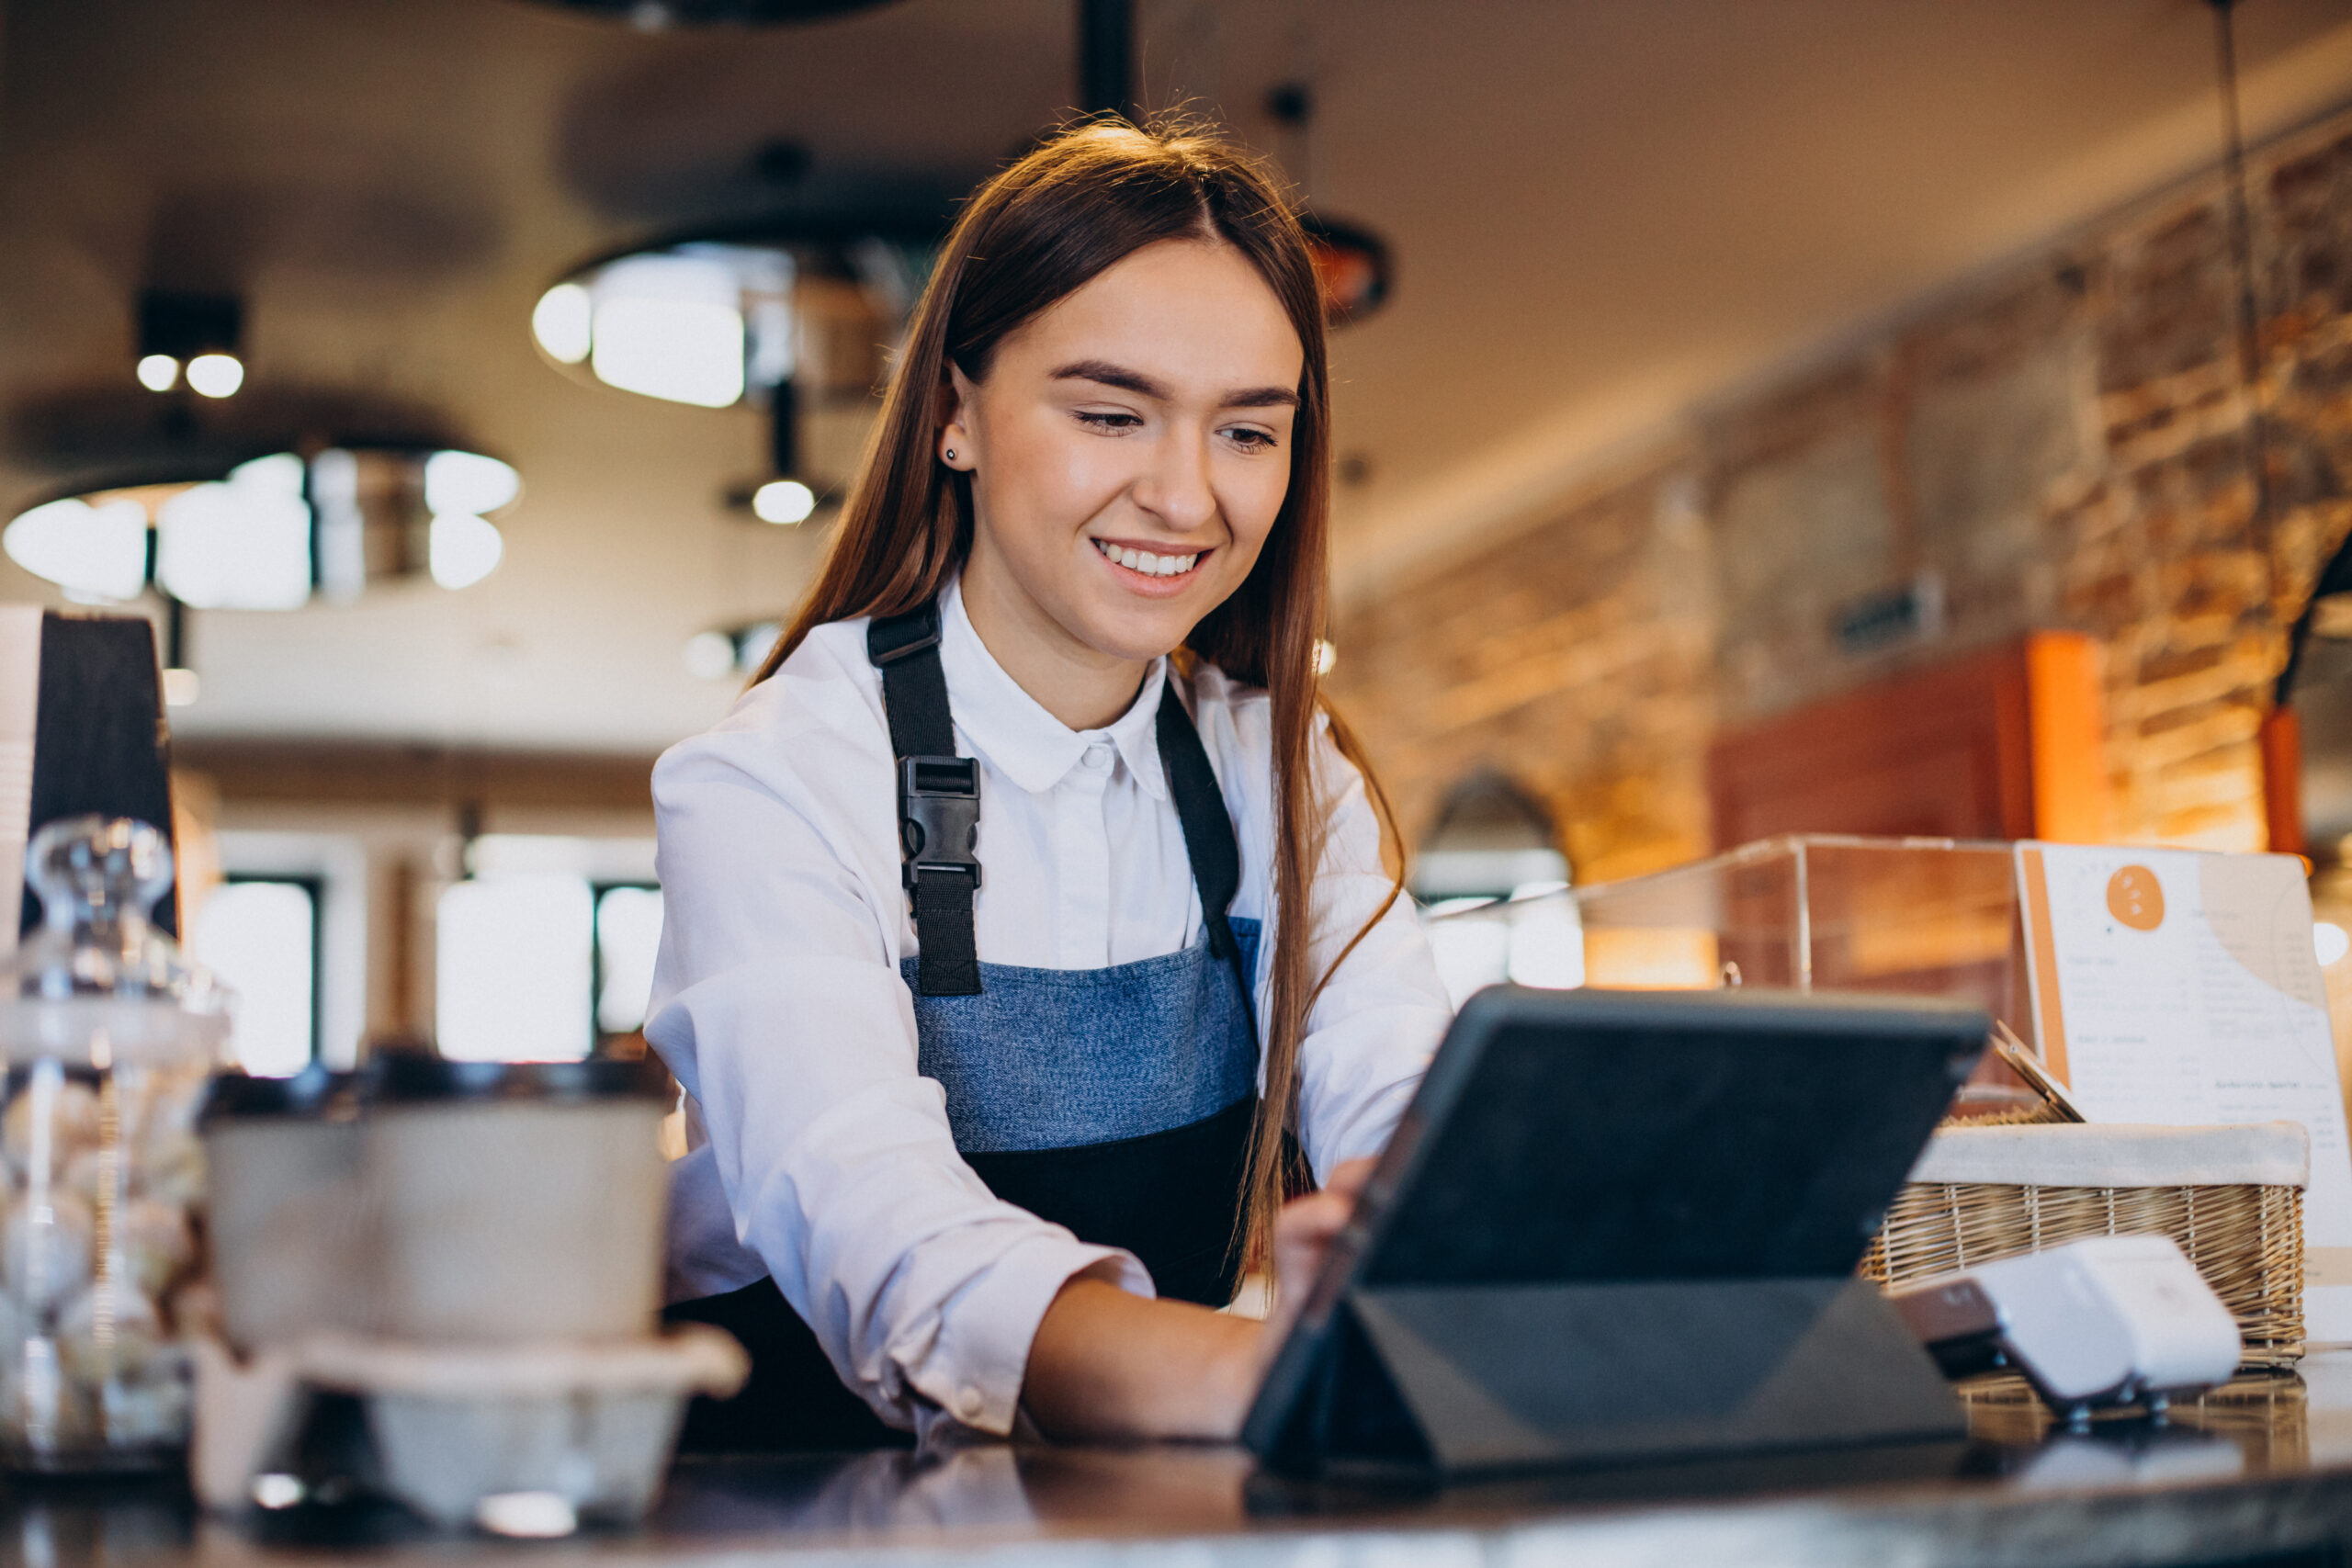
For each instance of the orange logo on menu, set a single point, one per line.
(2134, 898)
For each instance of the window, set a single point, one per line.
(546, 951)
(515, 969)
(260, 935)
(628, 933)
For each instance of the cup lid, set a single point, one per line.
(314, 1094)
(406, 1077)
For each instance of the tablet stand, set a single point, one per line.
(1458, 1379)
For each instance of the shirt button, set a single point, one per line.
(1098, 756)
(970, 1403)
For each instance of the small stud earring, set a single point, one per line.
(951, 454)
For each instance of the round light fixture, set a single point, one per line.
(722, 651)
(796, 316)
(463, 548)
(216, 375)
(1352, 264)
(274, 532)
(95, 548)
(198, 335)
(782, 500)
(710, 655)
(564, 323)
(717, 321)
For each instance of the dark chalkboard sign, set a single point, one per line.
(100, 741)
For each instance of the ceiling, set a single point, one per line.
(1604, 212)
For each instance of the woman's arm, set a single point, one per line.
(779, 1006)
(1109, 1364)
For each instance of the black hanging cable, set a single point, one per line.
(1107, 56)
(2240, 221)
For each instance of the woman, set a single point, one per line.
(1027, 923)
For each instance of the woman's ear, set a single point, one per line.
(957, 447)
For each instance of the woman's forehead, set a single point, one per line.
(1195, 315)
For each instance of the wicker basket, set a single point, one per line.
(2231, 1197)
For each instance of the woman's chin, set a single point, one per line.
(1135, 631)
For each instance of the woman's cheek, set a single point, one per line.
(1264, 505)
(1080, 478)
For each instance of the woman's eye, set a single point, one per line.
(1252, 440)
(1108, 421)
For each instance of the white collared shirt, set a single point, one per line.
(823, 1157)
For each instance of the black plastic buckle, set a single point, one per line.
(919, 627)
(939, 815)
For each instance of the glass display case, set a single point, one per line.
(1819, 912)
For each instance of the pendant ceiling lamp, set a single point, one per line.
(1352, 261)
(736, 650)
(275, 532)
(190, 340)
(794, 317)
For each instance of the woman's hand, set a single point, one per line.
(1304, 1233)
(1108, 1365)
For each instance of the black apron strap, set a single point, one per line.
(939, 811)
(1209, 843)
(939, 801)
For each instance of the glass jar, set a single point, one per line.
(109, 1036)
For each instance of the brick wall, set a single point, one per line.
(2062, 445)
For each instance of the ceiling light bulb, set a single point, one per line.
(782, 500)
(241, 544)
(464, 549)
(562, 321)
(93, 552)
(159, 372)
(670, 326)
(470, 482)
(710, 655)
(674, 349)
(216, 375)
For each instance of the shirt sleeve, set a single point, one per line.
(779, 1007)
(1371, 1032)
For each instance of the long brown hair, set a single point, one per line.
(1082, 202)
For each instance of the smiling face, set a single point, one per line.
(1129, 448)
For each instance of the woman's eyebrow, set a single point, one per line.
(1110, 375)
(1104, 373)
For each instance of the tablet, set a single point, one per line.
(1569, 1151)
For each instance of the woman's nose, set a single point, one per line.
(1175, 486)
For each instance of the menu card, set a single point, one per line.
(2181, 989)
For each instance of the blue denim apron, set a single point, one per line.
(1117, 1103)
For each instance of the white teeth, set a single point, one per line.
(1145, 562)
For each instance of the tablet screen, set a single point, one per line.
(1600, 1136)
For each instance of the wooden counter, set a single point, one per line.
(2260, 1470)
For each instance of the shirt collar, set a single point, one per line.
(1027, 744)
